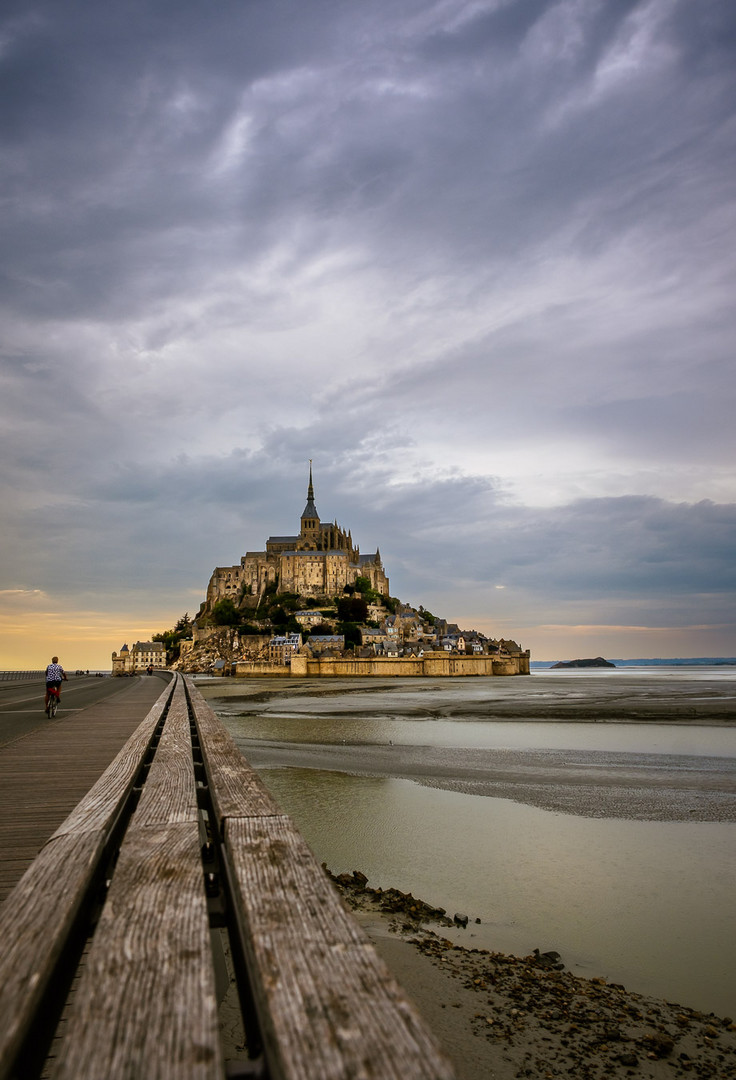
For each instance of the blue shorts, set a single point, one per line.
(55, 684)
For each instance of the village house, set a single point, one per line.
(307, 619)
(325, 644)
(282, 648)
(374, 638)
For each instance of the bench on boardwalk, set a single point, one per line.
(180, 835)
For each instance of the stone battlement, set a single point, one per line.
(431, 665)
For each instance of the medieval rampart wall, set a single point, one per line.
(246, 669)
(432, 665)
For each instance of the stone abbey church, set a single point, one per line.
(320, 561)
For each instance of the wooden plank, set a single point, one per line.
(146, 1005)
(169, 793)
(327, 1005)
(35, 922)
(45, 774)
(38, 914)
(235, 786)
(98, 809)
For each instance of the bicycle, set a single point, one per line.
(53, 705)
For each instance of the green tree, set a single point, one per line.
(282, 621)
(171, 639)
(352, 609)
(366, 590)
(351, 631)
(224, 613)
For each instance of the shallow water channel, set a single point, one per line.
(645, 903)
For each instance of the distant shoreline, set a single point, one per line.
(658, 661)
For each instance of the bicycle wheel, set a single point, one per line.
(53, 706)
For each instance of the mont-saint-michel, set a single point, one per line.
(312, 604)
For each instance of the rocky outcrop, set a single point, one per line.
(535, 1019)
(354, 887)
(218, 651)
(595, 662)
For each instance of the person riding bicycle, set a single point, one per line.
(54, 674)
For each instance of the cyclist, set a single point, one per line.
(54, 674)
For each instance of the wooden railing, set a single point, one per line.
(178, 836)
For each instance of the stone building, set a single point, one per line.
(318, 561)
(282, 648)
(143, 654)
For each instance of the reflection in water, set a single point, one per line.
(647, 904)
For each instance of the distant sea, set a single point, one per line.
(655, 661)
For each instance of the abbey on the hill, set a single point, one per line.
(320, 561)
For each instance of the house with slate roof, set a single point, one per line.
(282, 647)
(142, 655)
(325, 644)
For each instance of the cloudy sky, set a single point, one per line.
(474, 257)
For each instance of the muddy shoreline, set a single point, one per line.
(502, 1017)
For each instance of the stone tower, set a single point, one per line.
(309, 535)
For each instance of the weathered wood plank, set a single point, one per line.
(35, 922)
(169, 793)
(235, 786)
(145, 1005)
(102, 803)
(327, 1004)
(44, 775)
(38, 914)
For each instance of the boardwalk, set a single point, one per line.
(44, 774)
(111, 937)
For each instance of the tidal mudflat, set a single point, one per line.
(589, 813)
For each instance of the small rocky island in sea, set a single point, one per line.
(596, 661)
(312, 604)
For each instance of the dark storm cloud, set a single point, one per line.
(614, 547)
(437, 247)
(465, 526)
(112, 122)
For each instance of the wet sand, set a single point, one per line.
(656, 787)
(500, 1017)
(684, 696)
(653, 787)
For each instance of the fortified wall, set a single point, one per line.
(431, 665)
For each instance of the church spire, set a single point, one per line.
(310, 510)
